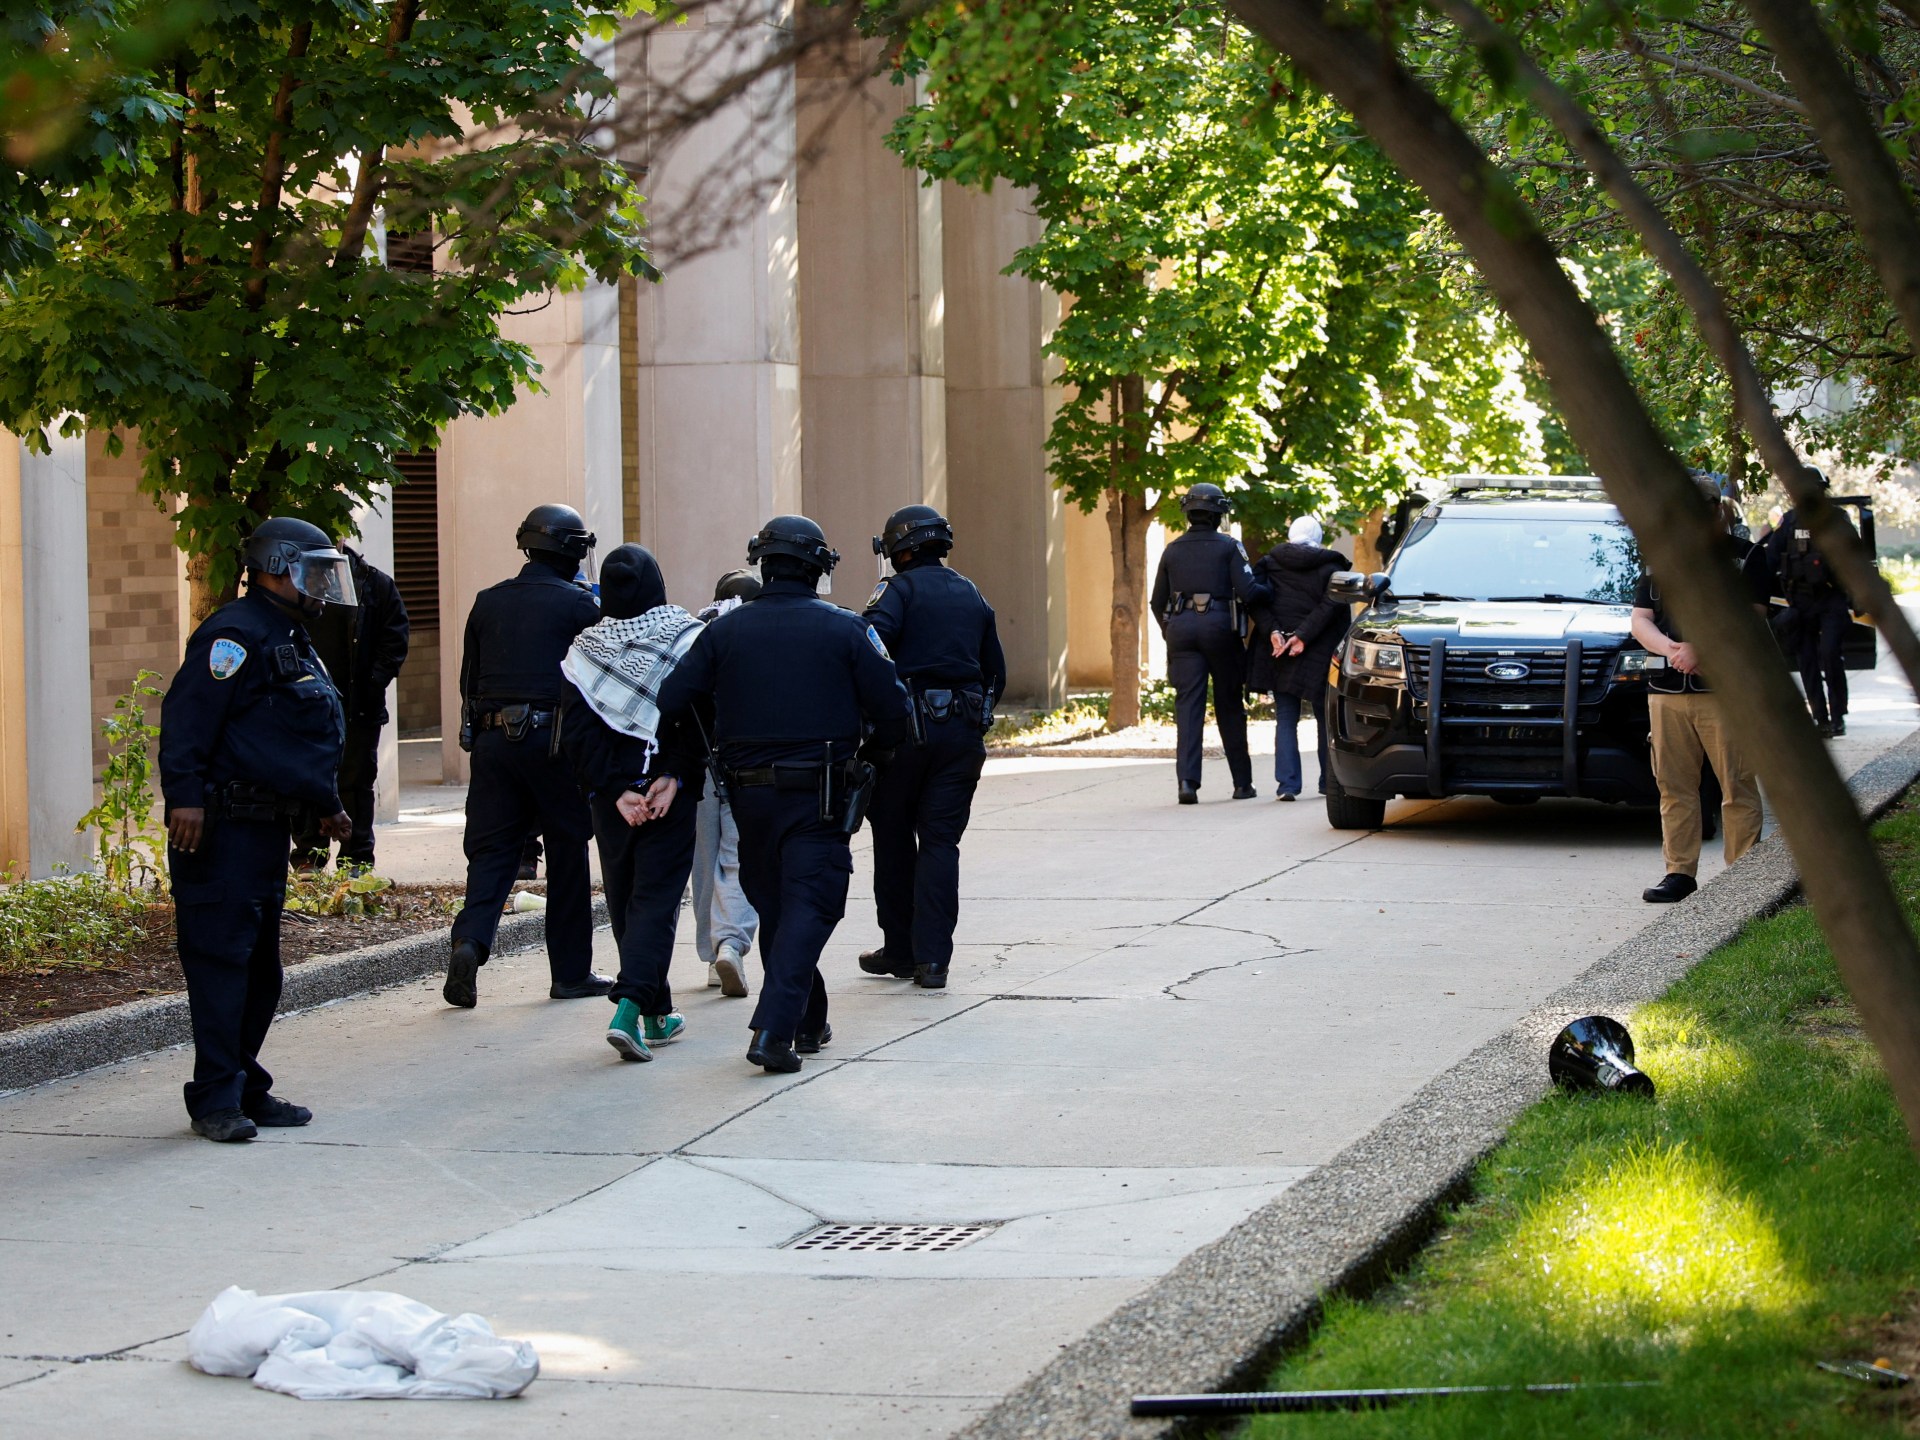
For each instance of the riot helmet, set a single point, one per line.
(555, 530)
(306, 555)
(796, 537)
(914, 527)
(1205, 499)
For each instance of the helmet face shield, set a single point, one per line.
(323, 575)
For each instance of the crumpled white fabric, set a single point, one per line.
(357, 1345)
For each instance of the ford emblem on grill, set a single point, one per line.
(1509, 670)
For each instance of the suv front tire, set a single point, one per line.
(1350, 812)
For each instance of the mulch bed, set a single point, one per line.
(153, 967)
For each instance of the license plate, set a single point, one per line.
(1516, 734)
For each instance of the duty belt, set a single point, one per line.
(1198, 601)
(239, 800)
(515, 719)
(801, 776)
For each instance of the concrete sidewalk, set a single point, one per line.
(1162, 1017)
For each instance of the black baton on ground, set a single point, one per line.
(1268, 1402)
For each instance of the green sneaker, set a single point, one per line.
(661, 1029)
(624, 1034)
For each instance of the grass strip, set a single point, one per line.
(1762, 1214)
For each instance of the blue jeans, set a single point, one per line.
(1286, 742)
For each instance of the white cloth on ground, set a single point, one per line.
(357, 1345)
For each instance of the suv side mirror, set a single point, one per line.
(1350, 587)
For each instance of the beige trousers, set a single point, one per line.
(1687, 732)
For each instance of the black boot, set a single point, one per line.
(930, 977)
(229, 1127)
(1673, 887)
(1189, 794)
(584, 989)
(878, 962)
(809, 1044)
(772, 1054)
(463, 972)
(1244, 792)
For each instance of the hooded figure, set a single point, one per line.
(1308, 627)
(643, 780)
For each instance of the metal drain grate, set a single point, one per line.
(869, 1239)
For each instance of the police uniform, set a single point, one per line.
(795, 684)
(510, 688)
(946, 647)
(1200, 572)
(1820, 615)
(251, 732)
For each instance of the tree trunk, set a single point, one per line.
(1840, 872)
(1127, 535)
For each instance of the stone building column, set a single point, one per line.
(1009, 519)
(46, 734)
(716, 364)
(873, 305)
(561, 445)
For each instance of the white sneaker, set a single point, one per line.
(731, 972)
(713, 977)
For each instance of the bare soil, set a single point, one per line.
(152, 967)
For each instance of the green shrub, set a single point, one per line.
(69, 921)
(349, 889)
(132, 845)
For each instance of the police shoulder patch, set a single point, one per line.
(873, 639)
(225, 658)
(878, 591)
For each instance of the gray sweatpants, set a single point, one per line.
(721, 914)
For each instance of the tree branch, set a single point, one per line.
(367, 184)
(273, 167)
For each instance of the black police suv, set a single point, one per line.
(1494, 656)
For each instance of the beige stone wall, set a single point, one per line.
(133, 581)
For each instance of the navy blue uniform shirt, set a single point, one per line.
(518, 633)
(939, 629)
(1205, 562)
(251, 703)
(789, 673)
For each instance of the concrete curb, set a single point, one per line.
(59, 1048)
(1218, 1319)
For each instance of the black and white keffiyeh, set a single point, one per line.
(618, 666)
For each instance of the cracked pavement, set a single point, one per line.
(1160, 1018)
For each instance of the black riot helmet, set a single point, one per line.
(914, 527)
(307, 556)
(797, 537)
(1205, 500)
(555, 529)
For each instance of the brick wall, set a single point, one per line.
(132, 581)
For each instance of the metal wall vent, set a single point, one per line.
(893, 1239)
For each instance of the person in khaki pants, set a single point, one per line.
(1687, 732)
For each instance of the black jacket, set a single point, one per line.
(792, 679)
(517, 634)
(251, 702)
(1203, 562)
(365, 645)
(939, 629)
(606, 761)
(1297, 576)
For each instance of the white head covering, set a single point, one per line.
(1305, 531)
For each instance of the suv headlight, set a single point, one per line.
(1641, 662)
(1370, 660)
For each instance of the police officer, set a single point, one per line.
(1818, 616)
(947, 650)
(251, 732)
(1199, 596)
(364, 649)
(796, 685)
(510, 690)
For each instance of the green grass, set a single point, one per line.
(1760, 1215)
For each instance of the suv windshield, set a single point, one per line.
(1476, 557)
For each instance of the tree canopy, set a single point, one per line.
(194, 230)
